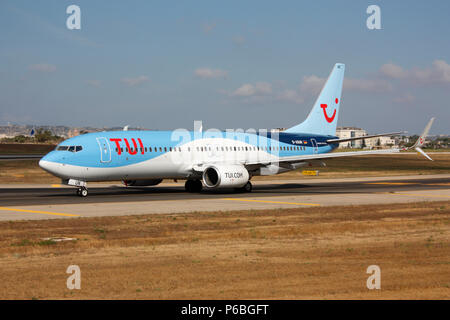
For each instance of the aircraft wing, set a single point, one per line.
(364, 137)
(297, 159)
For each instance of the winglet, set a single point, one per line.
(420, 142)
(423, 153)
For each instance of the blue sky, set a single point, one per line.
(231, 64)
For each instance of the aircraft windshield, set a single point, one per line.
(69, 148)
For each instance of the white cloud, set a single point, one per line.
(393, 71)
(132, 82)
(312, 84)
(208, 73)
(257, 89)
(43, 67)
(291, 96)
(438, 73)
(367, 85)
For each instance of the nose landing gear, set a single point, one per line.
(81, 186)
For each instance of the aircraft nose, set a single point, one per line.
(50, 166)
(45, 164)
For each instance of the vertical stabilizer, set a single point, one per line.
(324, 115)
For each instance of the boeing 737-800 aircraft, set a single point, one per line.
(210, 159)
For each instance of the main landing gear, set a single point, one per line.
(246, 188)
(193, 186)
(82, 191)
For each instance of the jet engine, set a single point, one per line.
(225, 176)
(142, 183)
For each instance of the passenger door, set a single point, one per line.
(105, 150)
(314, 145)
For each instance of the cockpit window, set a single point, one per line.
(69, 148)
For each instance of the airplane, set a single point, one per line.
(212, 160)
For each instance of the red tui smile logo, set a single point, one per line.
(324, 106)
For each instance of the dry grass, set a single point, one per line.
(273, 254)
(24, 171)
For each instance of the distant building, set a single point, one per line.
(380, 142)
(73, 132)
(351, 132)
(278, 129)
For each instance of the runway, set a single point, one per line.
(44, 201)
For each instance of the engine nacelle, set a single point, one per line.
(142, 183)
(225, 176)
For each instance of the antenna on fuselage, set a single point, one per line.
(198, 126)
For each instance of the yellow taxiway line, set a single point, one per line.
(276, 202)
(417, 194)
(42, 212)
